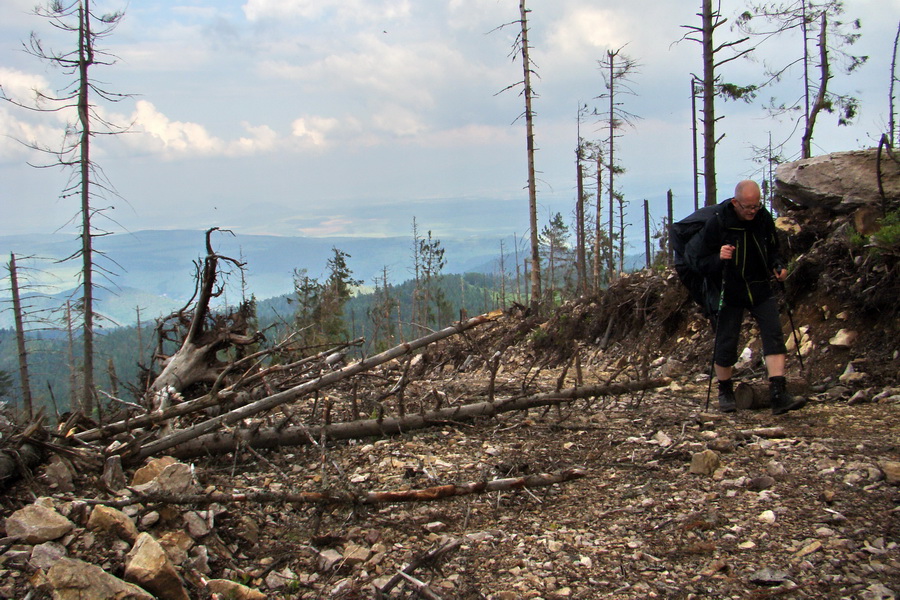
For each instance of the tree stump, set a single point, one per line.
(755, 395)
(14, 460)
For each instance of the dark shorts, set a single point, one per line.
(729, 331)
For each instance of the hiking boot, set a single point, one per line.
(726, 396)
(781, 399)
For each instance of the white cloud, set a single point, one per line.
(20, 86)
(262, 138)
(344, 10)
(172, 139)
(178, 52)
(21, 126)
(314, 130)
(585, 31)
(481, 15)
(400, 73)
(15, 133)
(473, 136)
(399, 121)
(398, 87)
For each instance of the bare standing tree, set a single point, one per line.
(417, 309)
(580, 241)
(529, 136)
(892, 111)
(833, 36)
(87, 181)
(19, 318)
(712, 85)
(617, 70)
(384, 332)
(599, 242)
(522, 48)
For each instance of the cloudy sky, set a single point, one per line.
(351, 117)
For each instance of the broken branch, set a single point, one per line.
(432, 493)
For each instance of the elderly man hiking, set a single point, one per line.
(739, 247)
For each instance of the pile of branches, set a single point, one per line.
(200, 404)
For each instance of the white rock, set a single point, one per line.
(844, 338)
(767, 516)
(112, 520)
(776, 470)
(662, 439)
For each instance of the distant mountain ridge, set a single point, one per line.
(155, 268)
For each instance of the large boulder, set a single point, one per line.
(841, 182)
(73, 579)
(148, 566)
(36, 524)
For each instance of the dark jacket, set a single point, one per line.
(747, 276)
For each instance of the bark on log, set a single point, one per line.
(220, 443)
(298, 391)
(754, 395)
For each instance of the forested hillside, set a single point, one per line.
(125, 353)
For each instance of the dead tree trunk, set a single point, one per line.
(24, 378)
(196, 360)
(536, 296)
(220, 443)
(438, 492)
(820, 102)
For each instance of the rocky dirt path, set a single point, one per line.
(803, 512)
(802, 506)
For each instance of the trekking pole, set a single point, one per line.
(787, 306)
(712, 363)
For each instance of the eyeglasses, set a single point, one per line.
(753, 208)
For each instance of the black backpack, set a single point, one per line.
(703, 290)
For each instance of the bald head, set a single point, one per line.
(747, 191)
(746, 200)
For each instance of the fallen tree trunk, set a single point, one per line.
(289, 395)
(753, 395)
(432, 493)
(221, 442)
